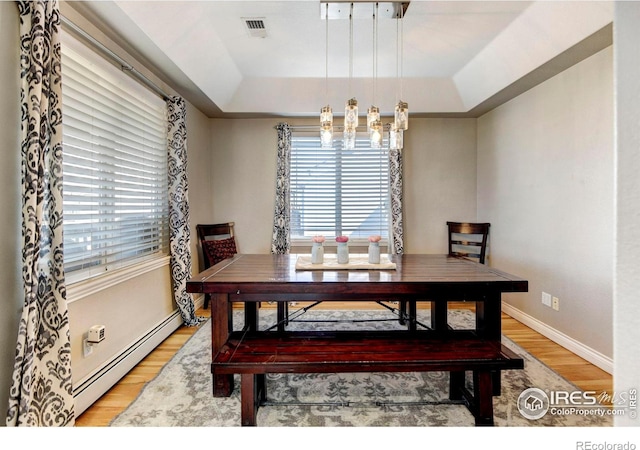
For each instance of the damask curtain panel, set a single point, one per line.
(281, 239)
(179, 233)
(41, 392)
(395, 191)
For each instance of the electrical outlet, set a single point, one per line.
(87, 347)
(555, 303)
(546, 299)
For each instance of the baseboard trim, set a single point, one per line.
(96, 384)
(594, 357)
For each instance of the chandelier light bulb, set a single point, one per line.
(349, 138)
(326, 114)
(402, 116)
(373, 114)
(326, 135)
(395, 138)
(351, 114)
(375, 135)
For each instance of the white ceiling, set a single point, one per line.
(455, 54)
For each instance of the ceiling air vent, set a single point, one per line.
(256, 27)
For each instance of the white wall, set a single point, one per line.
(10, 200)
(439, 179)
(545, 182)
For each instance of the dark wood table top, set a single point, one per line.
(415, 275)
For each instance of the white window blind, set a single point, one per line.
(337, 191)
(115, 201)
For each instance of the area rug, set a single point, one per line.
(181, 394)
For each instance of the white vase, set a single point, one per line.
(374, 253)
(343, 253)
(317, 253)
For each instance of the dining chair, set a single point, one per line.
(468, 240)
(217, 243)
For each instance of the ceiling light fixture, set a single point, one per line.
(351, 107)
(401, 114)
(374, 125)
(326, 114)
(393, 10)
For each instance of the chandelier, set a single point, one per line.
(375, 129)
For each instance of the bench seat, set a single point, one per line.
(254, 354)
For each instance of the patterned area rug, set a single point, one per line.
(181, 394)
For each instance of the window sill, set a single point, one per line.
(85, 288)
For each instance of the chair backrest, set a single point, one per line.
(468, 240)
(217, 242)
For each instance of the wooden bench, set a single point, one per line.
(254, 354)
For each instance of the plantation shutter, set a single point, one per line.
(337, 191)
(114, 166)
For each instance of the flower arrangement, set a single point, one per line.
(318, 239)
(342, 239)
(375, 238)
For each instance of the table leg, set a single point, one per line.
(220, 319)
(282, 315)
(489, 326)
(251, 315)
(456, 385)
(439, 316)
(412, 312)
(488, 317)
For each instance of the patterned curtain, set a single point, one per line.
(395, 187)
(41, 392)
(281, 240)
(179, 233)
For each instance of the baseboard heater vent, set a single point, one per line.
(99, 382)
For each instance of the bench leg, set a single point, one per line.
(248, 400)
(483, 398)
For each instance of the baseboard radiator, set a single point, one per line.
(99, 382)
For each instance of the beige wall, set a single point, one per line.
(10, 200)
(199, 157)
(545, 182)
(439, 179)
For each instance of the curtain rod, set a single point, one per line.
(124, 65)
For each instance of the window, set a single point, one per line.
(115, 206)
(336, 191)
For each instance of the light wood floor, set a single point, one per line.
(575, 369)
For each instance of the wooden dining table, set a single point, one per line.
(439, 279)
